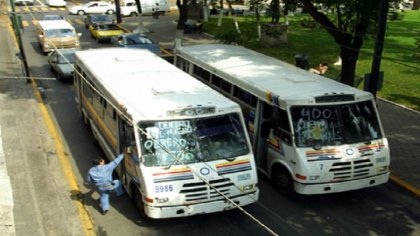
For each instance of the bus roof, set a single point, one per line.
(131, 77)
(261, 75)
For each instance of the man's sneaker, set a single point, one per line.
(104, 212)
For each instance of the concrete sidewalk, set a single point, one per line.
(35, 197)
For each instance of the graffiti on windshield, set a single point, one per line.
(335, 125)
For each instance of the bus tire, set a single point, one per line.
(138, 200)
(282, 181)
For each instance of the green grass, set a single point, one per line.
(400, 62)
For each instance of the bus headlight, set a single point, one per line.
(314, 177)
(162, 200)
(247, 187)
(382, 168)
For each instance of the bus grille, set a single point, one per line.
(200, 191)
(351, 170)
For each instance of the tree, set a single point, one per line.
(348, 23)
(274, 11)
(183, 16)
(416, 4)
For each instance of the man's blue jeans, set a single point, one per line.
(117, 188)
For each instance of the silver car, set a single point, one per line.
(62, 63)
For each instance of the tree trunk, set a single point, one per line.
(416, 5)
(230, 11)
(349, 60)
(349, 42)
(183, 15)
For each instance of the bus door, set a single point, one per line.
(127, 145)
(263, 122)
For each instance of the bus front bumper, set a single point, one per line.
(200, 208)
(335, 187)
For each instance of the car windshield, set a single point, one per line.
(139, 40)
(101, 18)
(66, 57)
(52, 17)
(178, 142)
(335, 125)
(108, 27)
(60, 32)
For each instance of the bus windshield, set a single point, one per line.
(335, 125)
(179, 142)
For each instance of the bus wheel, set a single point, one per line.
(282, 181)
(138, 200)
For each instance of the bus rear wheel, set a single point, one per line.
(282, 181)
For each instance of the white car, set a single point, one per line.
(56, 3)
(93, 8)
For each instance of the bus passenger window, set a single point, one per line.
(201, 74)
(225, 86)
(215, 80)
(245, 96)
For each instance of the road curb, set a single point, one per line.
(405, 185)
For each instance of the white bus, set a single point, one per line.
(186, 146)
(310, 134)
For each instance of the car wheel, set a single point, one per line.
(110, 12)
(133, 14)
(80, 13)
(59, 77)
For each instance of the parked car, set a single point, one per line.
(99, 19)
(56, 3)
(62, 63)
(52, 17)
(93, 8)
(104, 32)
(134, 40)
(24, 2)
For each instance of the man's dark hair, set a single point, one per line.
(97, 161)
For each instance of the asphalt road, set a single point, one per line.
(382, 210)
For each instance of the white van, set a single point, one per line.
(129, 7)
(54, 34)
